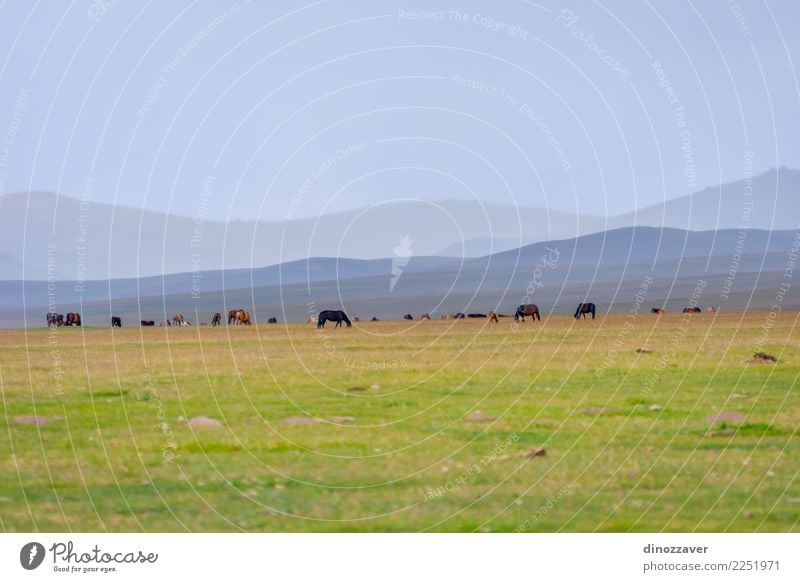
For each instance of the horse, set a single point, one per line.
(424, 316)
(55, 320)
(356, 319)
(584, 308)
(338, 316)
(272, 320)
(527, 309)
(658, 310)
(408, 316)
(711, 310)
(232, 316)
(447, 316)
(216, 320)
(73, 319)
(242, 317)
(148, 323)
(374, 319)
(493, 317)
(459, 315)
(692, 310)
(116, 321)
(178, 319)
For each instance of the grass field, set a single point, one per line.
(437, 435)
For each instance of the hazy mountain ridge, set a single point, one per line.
(98, 241)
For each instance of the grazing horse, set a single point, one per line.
(424, 316)
(408, 316)
(232, 316)
(447, 316)
(242, 317)
(692, 310)
(584, 308)
(527, 309)
(272, 320)
(116, 321)
(459, 315)
(493, 317)
(179, 319)
(55, 320)
(73, 319)
(658, 310)
(148, 323)
(477, 315)
(216, 320)
(374, 319)
(338, 316)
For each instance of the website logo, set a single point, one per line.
(31, 555)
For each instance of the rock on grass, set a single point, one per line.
(204, 422)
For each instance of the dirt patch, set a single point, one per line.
(760, 358)
(204, 422)
(535, 452)
(735, 417)
(31, 420)
(340, 419)
(357, 389)
(643, 351)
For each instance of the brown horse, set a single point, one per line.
(73, 319)
(692, 310)
(658, 310)
(424, 316)
(232, 316)
(527, 309)
(242, 317)
(216, 320)
(493, 317)
(178, 319)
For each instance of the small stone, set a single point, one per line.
(375, 387)
(736, 417)
(299, 420)
(204, 422)
(478, 416)
(340, 419)
(643, 351)
(536, 452)
(655, 407)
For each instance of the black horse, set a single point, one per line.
(583, 309)
(338, 316)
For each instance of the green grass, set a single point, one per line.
(117, 453)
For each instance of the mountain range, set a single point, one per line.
(43, 235)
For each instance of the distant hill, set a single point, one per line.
(102, 242)
(770, 202)
(41, 231)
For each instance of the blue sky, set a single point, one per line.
(295, 109)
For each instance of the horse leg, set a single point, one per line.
(539, 317)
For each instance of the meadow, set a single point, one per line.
(457, 426)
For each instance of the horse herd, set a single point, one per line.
(242, 317)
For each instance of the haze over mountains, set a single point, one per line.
(43, 235)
